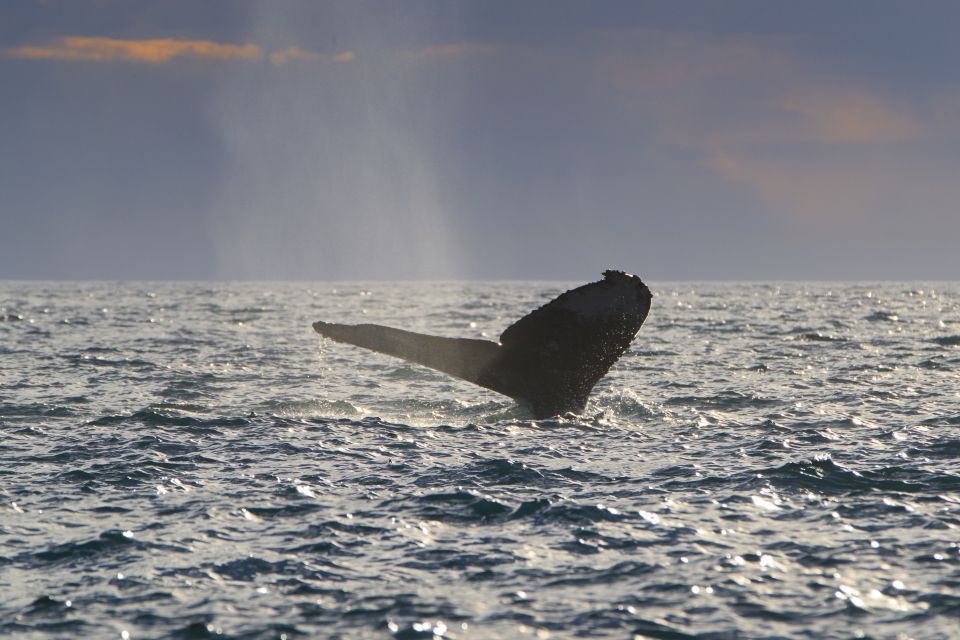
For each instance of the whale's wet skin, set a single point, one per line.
(548, 361)
(192, 460)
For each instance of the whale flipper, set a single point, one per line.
(461, 357)
(550, 359)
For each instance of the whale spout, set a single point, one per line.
(549, 360)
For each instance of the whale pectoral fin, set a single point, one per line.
(550, 359)
(463, 358)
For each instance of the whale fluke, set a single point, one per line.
(550, 359)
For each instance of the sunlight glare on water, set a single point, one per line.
(191, 460)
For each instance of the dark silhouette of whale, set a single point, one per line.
(549, 360)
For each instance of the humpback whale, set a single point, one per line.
(549, 360)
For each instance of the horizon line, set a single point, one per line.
(469, 280)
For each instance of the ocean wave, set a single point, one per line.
(738, 469)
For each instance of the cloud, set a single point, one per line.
(832, 192)
(849, 116)
(153, 51)
(815, 115)
(704, 90)
(858, 192)
(293, 53)
(825, 157)
(815, 147)
(296, 53)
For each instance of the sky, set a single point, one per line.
(495, 139)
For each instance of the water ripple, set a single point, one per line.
(769, 460)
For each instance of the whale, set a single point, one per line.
(548, 361)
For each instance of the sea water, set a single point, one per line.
(190, 460)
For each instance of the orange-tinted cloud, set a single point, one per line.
(293, 53)
(706, 91)
(848, 189)
(153, 51)
(815, 148)
(849, 116)
(837, 192)
(296, 53)
(815, 115)
(822, 156)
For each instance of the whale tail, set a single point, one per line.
(550, 359)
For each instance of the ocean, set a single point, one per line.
(190, 460)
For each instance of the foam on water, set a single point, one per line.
(189, 460)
